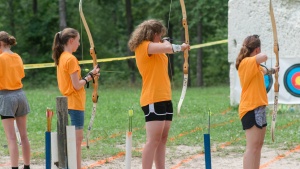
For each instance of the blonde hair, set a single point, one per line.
(60, 39)
(7, 39)
(249, 45)
(146, 31)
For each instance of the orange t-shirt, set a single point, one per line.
(154, 71)
(254, 93)
(68, 64)
(11, 71)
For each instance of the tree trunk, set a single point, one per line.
(62, 14)
(34, 6)
(130, 62)
(11, 17)
(199, 56)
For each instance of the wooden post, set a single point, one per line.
(62, 122)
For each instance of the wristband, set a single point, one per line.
(176, 48)
(273, 71)
(92, 75)
(270, 71)
(86, 82)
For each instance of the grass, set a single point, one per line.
(188, 127)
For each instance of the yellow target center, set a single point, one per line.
(297, 81)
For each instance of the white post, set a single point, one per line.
(128, 150)
(71, 147)
(54, 151)
(17, 132)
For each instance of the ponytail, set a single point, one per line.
(57, 48)
(249, 45)
(60, 40)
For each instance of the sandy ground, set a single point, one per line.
(185, 157)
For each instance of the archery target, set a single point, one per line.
(268, 82)
(292, 80)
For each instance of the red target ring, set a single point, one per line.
(296, 80)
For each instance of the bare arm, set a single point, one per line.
(164, 47)
(79, 83)
(270, 71)
(261, 57)
(264, 70)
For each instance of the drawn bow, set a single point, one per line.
(95, 82)
(276, 84)
(186, 56)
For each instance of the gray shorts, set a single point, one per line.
(13, 103)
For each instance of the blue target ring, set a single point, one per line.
(292, 80)
(268, 82)
(268, 79)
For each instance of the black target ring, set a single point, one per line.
(292, 80)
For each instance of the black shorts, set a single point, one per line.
(7, 117)
(159, 111)
(255, 117)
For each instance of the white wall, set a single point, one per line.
(248, 17)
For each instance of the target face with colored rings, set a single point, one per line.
(268, 82)
(292, 80)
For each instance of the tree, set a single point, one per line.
(111, 23)
(129, 18)
(62, 14)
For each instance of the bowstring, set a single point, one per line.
(83, 69)
(170, 9)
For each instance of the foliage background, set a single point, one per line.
(34, 24)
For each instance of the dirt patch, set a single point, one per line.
(186, 157)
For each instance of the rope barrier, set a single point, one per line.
(45, 65)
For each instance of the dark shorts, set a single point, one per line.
(13, 103)
(255, 117)
(159, 111)
(7, 117)
(77, 118)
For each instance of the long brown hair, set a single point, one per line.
(7, 39)
(146, 31)
(60, 40)
(249, 45)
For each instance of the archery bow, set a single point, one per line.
(276, 84)
(186, 56)
(95, 82)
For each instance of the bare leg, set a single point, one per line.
(79, 138)
(22, 126)
(254, 138)
(8, 125)
(160, 153)
(154, 131)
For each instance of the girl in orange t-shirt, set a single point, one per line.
(69, 79)
(13, 102)
(155, 98)
(254, 99)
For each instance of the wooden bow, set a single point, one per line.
(95, 83)
(186, 56)
(276, 84)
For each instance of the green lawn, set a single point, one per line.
(188, 127)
